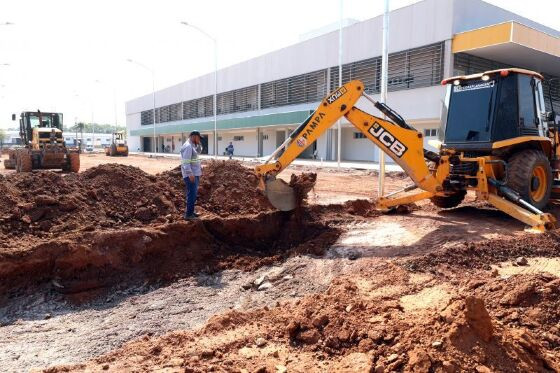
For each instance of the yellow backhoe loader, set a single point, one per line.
(118, 145)
(498, 140)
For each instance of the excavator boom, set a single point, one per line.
(400, 141)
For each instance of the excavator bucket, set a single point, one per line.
(280, 194)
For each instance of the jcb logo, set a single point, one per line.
(394, 145)
(335, 96)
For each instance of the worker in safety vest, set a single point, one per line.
(191, 171)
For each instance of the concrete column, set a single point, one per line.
(447, 59)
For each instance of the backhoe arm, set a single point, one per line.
(331, 109)
(404, 145)
(401, 142)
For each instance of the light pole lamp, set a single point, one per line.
(152, 71)
(215, 42)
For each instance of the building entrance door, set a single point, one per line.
(280, 138)
(204, 143)
(147, 144)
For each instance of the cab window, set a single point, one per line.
(527, 113)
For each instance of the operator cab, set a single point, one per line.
(39, 127)
(497, 105)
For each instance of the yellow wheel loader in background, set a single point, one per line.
(118, 145)
(43, 145)
(498, 140)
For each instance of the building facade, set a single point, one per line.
(260, 101)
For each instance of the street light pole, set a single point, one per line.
(152, 71)
(215, 41)
(384, 83)
(338, 123)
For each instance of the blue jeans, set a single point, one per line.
(191, 190)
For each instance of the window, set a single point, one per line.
(265, 137)
(430, 132)
(147, 117)
(238, 138)
(198, 108)
(527, 117)
(413, 68)
(219, 138)
(359, 135)
(310, 87)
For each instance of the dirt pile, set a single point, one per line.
(226, 188)
(357, 325)
(483, 253)
(46, 203)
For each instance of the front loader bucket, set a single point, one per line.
(280, 194)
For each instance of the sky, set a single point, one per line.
(70, 56)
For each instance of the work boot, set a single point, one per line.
(191, 217)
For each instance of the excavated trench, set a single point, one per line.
(95, 260)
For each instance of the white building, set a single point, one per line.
(261, 100)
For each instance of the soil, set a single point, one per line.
(380, 317)
(121, 283)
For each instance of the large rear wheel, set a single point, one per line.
(25, 163)
(530, 175)
(449, 201)
(74, 160)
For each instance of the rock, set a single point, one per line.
(48, 316)
(437, 344)
(344, 335)
(258, 282)
(281, 368)
(320, 321)
(247, 286)
(26, 219)
(293, 328)
(365, 345)
(392, 358)
(379, 368)
(264, 286)
(521, 261)
(260, 342)
(332, 342)
(448, 367)
(143, 214)
(105, 367)
(349, 308)
(478, 318)
(287, 277)
(419, 361)
(495, 272)
(310, 336)
(521, 293)
(482, 369)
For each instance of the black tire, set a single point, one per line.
(450, 201)
(530, 175)
(18, 167)
(25, 163)
(74, 160)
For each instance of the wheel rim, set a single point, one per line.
(538, 183)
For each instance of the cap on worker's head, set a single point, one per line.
(195, 133)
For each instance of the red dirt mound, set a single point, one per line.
(482, 253)
(226, 188)
(344, 329)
